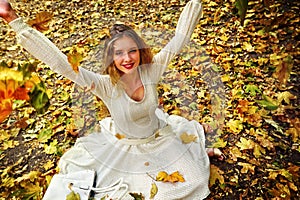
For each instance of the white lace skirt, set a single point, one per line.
(138, 162)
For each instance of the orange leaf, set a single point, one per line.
(120, 136)
(21, 93)
(5, 109)
(7, 89)
(175, 177)
(41, 21)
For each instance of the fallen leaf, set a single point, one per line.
(172, 178)
(75, 58)
(268, 103)
(120, 136)
(215, 174)
(5, 109)
(235, 126)
(188, 138)
(246, 167)
(252, 89)
(41, 21)
(284, 69)
(137, 196)
(153, 190)
(161, 176)
(73, 196)
(245, 144)
(285, 96)
(294, 133)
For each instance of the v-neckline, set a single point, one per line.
(143, 88)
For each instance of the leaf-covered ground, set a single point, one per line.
(255, 114)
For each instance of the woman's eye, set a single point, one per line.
(133, 51)
(118, 53)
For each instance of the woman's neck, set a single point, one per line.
(131, 80)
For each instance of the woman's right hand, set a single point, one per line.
(7, 12)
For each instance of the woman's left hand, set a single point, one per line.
(7, 12)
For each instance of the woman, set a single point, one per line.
(138, 141)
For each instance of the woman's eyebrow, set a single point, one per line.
(131, 48)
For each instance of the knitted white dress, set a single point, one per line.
(152, 138)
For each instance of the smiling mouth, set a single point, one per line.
(128, 66)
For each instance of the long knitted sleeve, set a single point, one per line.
(38, 45)
(187, 22)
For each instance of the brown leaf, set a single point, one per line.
(22, 123)
(283, 70)
(41, 21)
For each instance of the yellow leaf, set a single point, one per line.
(30, 176)
(73, 196)
(153, 190)
(245, 144)
(217, 49)
(235, 126)
(258, 150)
(188, 138)
(220, 143)
(226, 78)
(161, 176)
(8, 73)
(294, 133)
(175, 177)
(235, 153)
(215, 174)
(246, 167)
(75, 58)
(285, 96)
(248, 47)
(172, 178)
(283, 172)
(9, 144)
(48, 165)
(32, 189)
(41, 21)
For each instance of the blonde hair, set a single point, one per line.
(118, 31)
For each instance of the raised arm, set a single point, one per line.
(43, 49)
(187, 22)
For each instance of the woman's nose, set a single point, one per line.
(126, 57)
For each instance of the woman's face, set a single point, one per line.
(126, 54)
